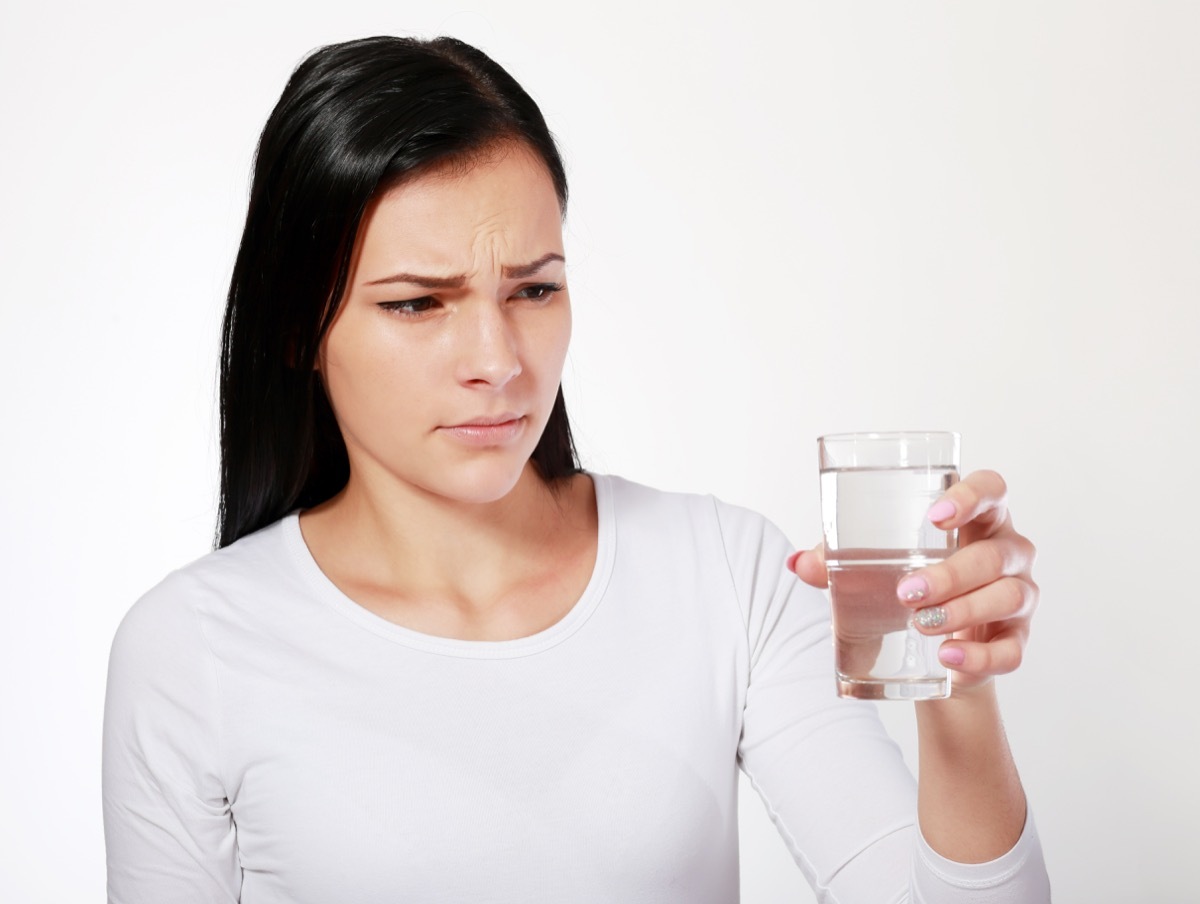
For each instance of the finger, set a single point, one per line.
(809, 566)
(998, 656)
(975, 565)
(980, 499)
(1007, 598)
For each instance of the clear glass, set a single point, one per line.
(875, 491)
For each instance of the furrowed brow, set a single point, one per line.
(519, 271)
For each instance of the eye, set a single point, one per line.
(411, 307)
(540, 291)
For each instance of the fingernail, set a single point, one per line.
(793, 559)
(930, 617)
(952, 656)
(940, 511)
(913, 590)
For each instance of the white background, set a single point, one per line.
(834, 216)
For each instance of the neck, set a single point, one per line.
(420, 544)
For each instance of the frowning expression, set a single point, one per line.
(446, 354)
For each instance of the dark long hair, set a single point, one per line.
(354, 120)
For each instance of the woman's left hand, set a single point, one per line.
(983, 595)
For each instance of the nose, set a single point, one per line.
(489, 353)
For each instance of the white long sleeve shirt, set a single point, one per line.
(268, 740)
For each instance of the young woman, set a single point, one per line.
(434, 660)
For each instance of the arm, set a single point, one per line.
(169, 833)
(834, 784)
(969, 800)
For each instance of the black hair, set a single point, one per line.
(354, 120)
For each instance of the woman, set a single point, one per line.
(433, 659)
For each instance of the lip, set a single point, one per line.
(488, 431)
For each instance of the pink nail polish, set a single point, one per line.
(913, 589)
(940, 511)
(952, 656)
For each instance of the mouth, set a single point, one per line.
(506, 418)
(488, 431)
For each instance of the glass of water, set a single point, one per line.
(875, 491)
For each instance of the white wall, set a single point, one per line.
(977, 216)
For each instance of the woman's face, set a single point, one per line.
(445, 356)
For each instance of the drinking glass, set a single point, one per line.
(875, 491)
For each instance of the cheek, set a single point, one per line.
(367, 372)
(553, 340)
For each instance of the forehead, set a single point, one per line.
(502, 203)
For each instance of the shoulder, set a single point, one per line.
(742, 533)
(167, 618)
(631, 498)
(729, 547)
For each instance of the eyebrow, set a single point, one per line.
(520, 271)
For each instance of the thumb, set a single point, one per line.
(809, 566)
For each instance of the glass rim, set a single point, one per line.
(889, 435)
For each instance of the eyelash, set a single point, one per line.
(548, 290)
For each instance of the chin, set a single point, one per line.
(479, 482)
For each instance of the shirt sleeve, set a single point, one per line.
(833, 782)
(169, 832)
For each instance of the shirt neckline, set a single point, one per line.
(331, 595)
